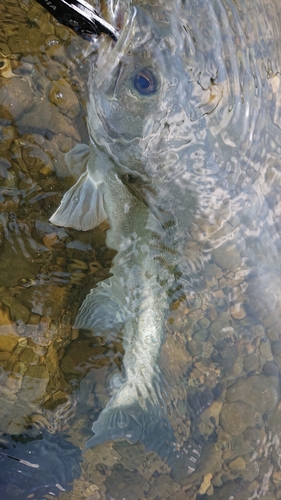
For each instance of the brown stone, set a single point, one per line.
(63, 96)
(5, 318)
(8, 340)
(237, 464)
(237, 311)
(205, 485)
(259, 392)
(236, 417)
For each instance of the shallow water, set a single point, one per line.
(221, 355)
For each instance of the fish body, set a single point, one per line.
(184, 119)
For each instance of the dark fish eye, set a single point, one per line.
(145, 82)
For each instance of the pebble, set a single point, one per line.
(52, 241)
(5, 318)
(4, 356)
(265, 350)
(276, 348)
(92, 492)
(165, 486)
(54, 121)
(16, 98)
(28, 356)
(8, 341)
(4, 50)
(131, 486)
(204, 486)
(227, 257)
(63, 96)
(251, 362)
(276, 477)
(17, 310)
(251, 472)
(219, 327)
(237, 464)
(237, 311)
(195, 347)
(270, 369)
(274, 422)
(259, 392)
(236, 417)
(212, 412)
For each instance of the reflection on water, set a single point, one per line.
(220, 355)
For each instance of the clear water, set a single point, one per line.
(194, 214)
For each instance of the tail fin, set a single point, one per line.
(148, 426)
(152, 428)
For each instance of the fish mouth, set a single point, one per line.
(113, 50)
(114, 12)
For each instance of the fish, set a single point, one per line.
(184, 121)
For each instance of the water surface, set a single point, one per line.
(222, 352)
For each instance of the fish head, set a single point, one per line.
(141, 94)
(166, 105)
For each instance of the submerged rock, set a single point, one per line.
(259, 391)
(236, 417)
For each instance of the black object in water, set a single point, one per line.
(79, 16)
(38, 464)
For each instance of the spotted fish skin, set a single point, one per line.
(184, 117)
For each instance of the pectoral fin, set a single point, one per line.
(82, 206)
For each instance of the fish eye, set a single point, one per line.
(129, 178)
(145, 82)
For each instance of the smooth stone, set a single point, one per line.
(55, 122)
(237, 311)
(4, 356)
(270, 369)
(63, 96)
(38, 372)
(227, 257)
(132, 484)
(276, 348)
(219, 327)
(206, 483)
(166, 486)
(5, 318)
(251, 362)
(195, 347)
(17, 310)
(274, 422)
(259, 392)
(237, 464)
(251, 472)
(265, 350)
(235, 417)
(8, 341)
(28, 356)
(15, 98)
